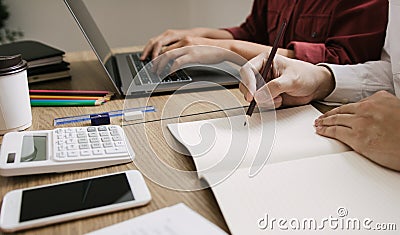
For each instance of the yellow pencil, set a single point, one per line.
(54, 97)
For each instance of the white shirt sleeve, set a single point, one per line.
(355, 82)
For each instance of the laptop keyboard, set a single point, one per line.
(138, 67)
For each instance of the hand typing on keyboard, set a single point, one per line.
(172, 39)
(199, 55)
(145, 72)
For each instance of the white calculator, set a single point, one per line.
(63, 149)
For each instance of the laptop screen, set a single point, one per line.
(94, 37)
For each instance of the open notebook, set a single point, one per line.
(306, 176)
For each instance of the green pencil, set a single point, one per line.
(52, 103)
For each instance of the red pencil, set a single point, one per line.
(66, 97)
(71, 92)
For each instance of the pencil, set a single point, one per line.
(55, 103)
(56, 97)
(267, 68)
(71, 92)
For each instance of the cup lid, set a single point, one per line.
(12, 64)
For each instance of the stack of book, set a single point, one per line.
(44, 62)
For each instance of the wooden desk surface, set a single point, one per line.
(87, 74)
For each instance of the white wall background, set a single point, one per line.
(123, 22)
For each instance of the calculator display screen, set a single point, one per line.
(75, 196)
(33, 148)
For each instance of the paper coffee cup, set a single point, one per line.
(15, 107)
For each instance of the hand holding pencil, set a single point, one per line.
(294, 82)
(267, 67)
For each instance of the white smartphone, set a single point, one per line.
(54, 203)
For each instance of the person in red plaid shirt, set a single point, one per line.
(336, 31)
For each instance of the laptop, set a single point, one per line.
(124, 67)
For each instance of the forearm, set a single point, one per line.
(212, 33)
(287, 53)
(249, 50)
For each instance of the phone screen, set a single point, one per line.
(74, 196)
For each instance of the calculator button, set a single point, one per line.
(112, 128)
(70, 135)
(91, 129)
(81, 135)
(103, 133)
(117, 138)
(60, 136)
(86, 152)
(97, 151)
(62, 148)
(70, 130)
(82, 141)
(119, 143)
(59, 131)
(71, 141)
(102, 128)
(94, 140)
(105, 139)
(73, 153)
(96, 145)
(92, 134)
(72, 147)
(61, 154)
(108, 145)
(114, 133)
(115, 150)
(84, 146)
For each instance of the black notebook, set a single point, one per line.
(63, 66)
(35, 53)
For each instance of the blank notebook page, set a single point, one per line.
(220, 144)
(311, 188)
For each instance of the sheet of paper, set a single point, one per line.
(174, 220)
(346, 186)
(224, 144)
